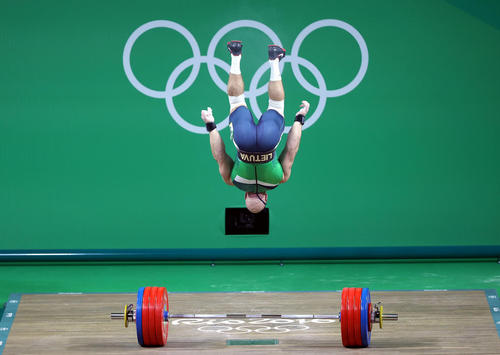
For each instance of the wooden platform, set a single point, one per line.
(429, 322)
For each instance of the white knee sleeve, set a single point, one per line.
(236, 101)
(277, 106)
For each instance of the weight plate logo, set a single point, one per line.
(253, 92)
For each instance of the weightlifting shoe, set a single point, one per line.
(234, 47)
(276, 52)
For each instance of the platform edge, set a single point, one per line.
(9, 314)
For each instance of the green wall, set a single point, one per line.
(409, 157)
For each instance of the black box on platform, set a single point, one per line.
(242, 221)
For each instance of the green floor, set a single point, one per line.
(292, 276)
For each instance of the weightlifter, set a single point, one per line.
(256, 169)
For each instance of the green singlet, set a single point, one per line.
(257, 177)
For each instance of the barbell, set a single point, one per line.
(151, 316)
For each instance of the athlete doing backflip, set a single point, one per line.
(256, 169)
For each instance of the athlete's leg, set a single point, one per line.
(235, 84)
(269, 130)
(243, 129)
(240, 119)
(275, 86)
(272, 123)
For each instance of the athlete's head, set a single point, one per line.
(255, 202)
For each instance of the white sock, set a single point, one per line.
(275, 70)
(235, 64)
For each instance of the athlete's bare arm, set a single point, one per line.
(219, 149)
(292, 144)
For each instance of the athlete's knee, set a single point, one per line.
(236, 101)
(277, 105)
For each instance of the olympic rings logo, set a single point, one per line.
(240, 326)
(253, 92)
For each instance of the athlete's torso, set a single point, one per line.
(256, 167)
(257, 177)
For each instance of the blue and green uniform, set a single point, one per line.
(256, 168)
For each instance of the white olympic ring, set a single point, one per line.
(253, 92)
(225, 329)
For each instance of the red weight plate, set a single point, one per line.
(158, 319)
(151, 314)
(357, 316)
(343, 317)
(146, 335)
(161, 331)
(350, 316)
(161, 324)
(152, 311)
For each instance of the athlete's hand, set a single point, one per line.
(304, 108)
(206, 115)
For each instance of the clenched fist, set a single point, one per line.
(206, 115)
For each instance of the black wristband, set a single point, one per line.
(300, 118)
(210, 126)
